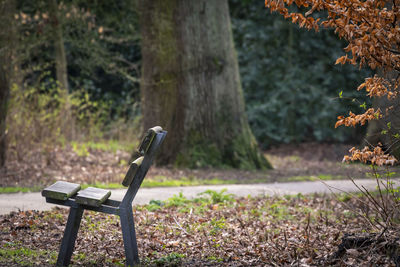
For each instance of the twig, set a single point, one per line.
(180, 227)
(307, 228)
(360, 214)
(208, 241)
(379, 189)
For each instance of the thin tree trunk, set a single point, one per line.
(7, 9)
(384, 130)
(60, 57)
(67, 125)
(191, 85)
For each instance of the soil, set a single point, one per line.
(291, 163)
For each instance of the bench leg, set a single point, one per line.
(70, 234)
(129, 236)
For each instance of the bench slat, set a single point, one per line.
(61, 190)
(132, 172)
(148, 139)
(92, 196)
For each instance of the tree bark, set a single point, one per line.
(191, 86)
(7, 9)
(67, 125)
(59, 49)
(378, 130)
(385, 129)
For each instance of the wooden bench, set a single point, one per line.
(69, 194)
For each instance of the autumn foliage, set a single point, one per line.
(371, 29)
(366, 155)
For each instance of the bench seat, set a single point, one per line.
(92, 196)
(61, 190)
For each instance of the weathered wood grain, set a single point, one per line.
(61, 190)
(92, 196)
(148, 139)
(133, 169)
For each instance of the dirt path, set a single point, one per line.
(34, 201)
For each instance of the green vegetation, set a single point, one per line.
(318, 177)
(104, 185)
(157, 181)
(161, 181)
(172, 259)
(23, 256)
(16, 254)
(39, 121)
(16, 189)
(198, 204)
(215, 197)
(277, 209)
(101, 108)
(290, 82)
(81, 148)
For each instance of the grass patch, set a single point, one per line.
(104, 185)
(17, 189)
(157, 181)
(163, 181)
(198, 204)
(81, 148)
(318, 177)
(172, 259)
(113, 146)
(10, 254)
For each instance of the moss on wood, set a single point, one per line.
(236, 153)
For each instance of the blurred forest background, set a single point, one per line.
(76, 70)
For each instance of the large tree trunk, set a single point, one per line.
(7, 9)
(191, 85)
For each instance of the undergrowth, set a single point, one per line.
(45, 116)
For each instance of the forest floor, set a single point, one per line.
(215, 229)
(309, 161)
(218, 230)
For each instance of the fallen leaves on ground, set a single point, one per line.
(42, 168)
(263, 231)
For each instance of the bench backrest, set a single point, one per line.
(151, 142)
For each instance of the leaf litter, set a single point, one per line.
(312, 230)
(42, 168)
